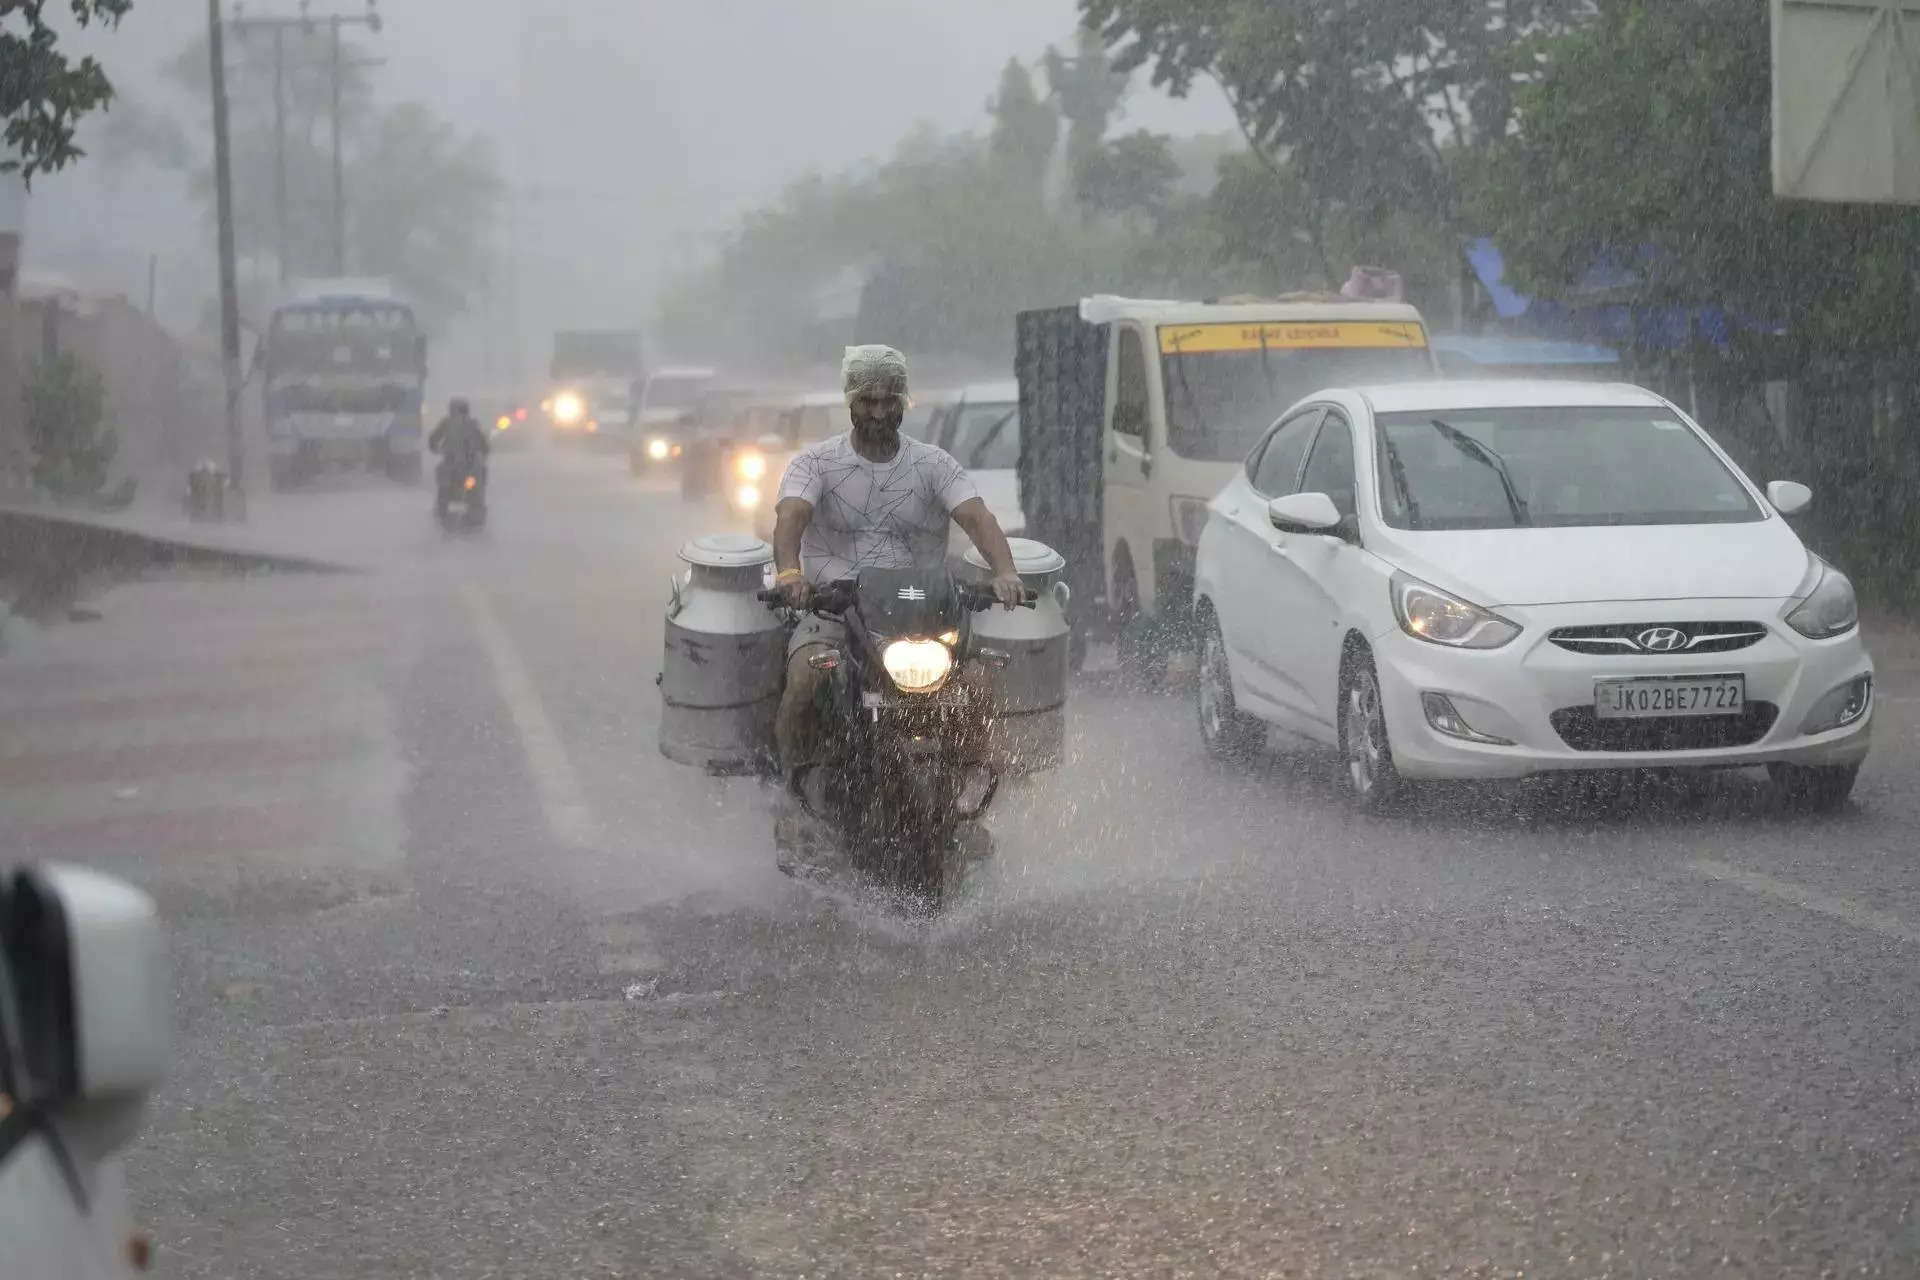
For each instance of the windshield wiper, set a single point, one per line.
(1398, 470)
(976, 457)
(1180, 374)
(1474, 449)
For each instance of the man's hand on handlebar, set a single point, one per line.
(797, 592)
(1009, 590)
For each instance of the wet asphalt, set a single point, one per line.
(518, 997)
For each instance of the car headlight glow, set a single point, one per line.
(568, 408)
(1430, 614)
(657, 449)
(917, 666)
(751, 466)
(747, 497)
(1830, 609)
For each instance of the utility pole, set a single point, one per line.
(337, 66)
(229, 287)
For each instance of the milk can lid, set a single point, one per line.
(726, 551)
(1029, 557)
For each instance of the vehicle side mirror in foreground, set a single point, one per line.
(87, 961)
(1789, 496)
(1304, 513)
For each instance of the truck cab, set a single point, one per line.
(1166, 398)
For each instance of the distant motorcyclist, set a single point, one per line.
(871, 498)
(462, 445)
(459, 438)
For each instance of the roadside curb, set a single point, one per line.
(56, 539)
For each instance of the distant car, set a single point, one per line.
(85, 1036)
(981, 429)
(1495, 579)
(664, 416)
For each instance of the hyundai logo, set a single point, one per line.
(1662, 639)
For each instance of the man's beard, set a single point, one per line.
(879, 430)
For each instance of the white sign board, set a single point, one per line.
(1846, 100)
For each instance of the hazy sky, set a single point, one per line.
(632, 131)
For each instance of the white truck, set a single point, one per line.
(343, 367)
(1134, 414)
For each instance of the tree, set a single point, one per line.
(66, 410)
(43, 93)
(421, 196)
(1360, 104)
(1026, 130)
(1134, 174)
(1087, 91)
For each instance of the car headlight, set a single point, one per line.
(751, 466)
(747, 497)
(657, 449)
(1430, 614)
(568, 408)
(917, 666)
(1830, 609)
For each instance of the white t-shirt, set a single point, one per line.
(874, 515)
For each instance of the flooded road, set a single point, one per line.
(472, 981)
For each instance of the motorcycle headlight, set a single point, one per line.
(751, 466)
(657, 449)
(568, 408)
(1430, 614)
(917, 666)
(1830, 609)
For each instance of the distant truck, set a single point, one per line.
(591, 381)
(343, 367)
(1134, 414)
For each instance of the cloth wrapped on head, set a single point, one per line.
(873, 369)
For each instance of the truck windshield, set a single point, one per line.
(1219, 402)
(986, 437)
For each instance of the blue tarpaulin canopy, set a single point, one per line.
(1592, 312)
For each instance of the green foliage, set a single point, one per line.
(66, 411)
(1134, 174)
(43, 93)
(1026, 130)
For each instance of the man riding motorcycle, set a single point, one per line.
(462, 445)
(869, 499)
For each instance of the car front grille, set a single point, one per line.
(1669, 639)
(1580, 729)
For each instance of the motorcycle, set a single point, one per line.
(902, 775)
(462, 483)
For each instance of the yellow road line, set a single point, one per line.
(561, 796)
(1846, 910)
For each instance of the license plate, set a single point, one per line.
(1666, 696)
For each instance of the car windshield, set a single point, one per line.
(1556, 468)
(676, 393)
(986, 437)
(1220, 402)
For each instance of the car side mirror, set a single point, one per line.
(1788, 496)
(1304, 513)
(94, 998)
(91, 983)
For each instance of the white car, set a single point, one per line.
(981, 428)
(1476, 580)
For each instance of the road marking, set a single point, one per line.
(1846, 910)
(561, 796)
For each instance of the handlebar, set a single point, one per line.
(837, 597)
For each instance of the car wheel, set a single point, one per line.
(1371, 782)
(1812, 788)
(1228, 733)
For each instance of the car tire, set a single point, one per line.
(1229, 735)
(1813, 788)
(1367, 773)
